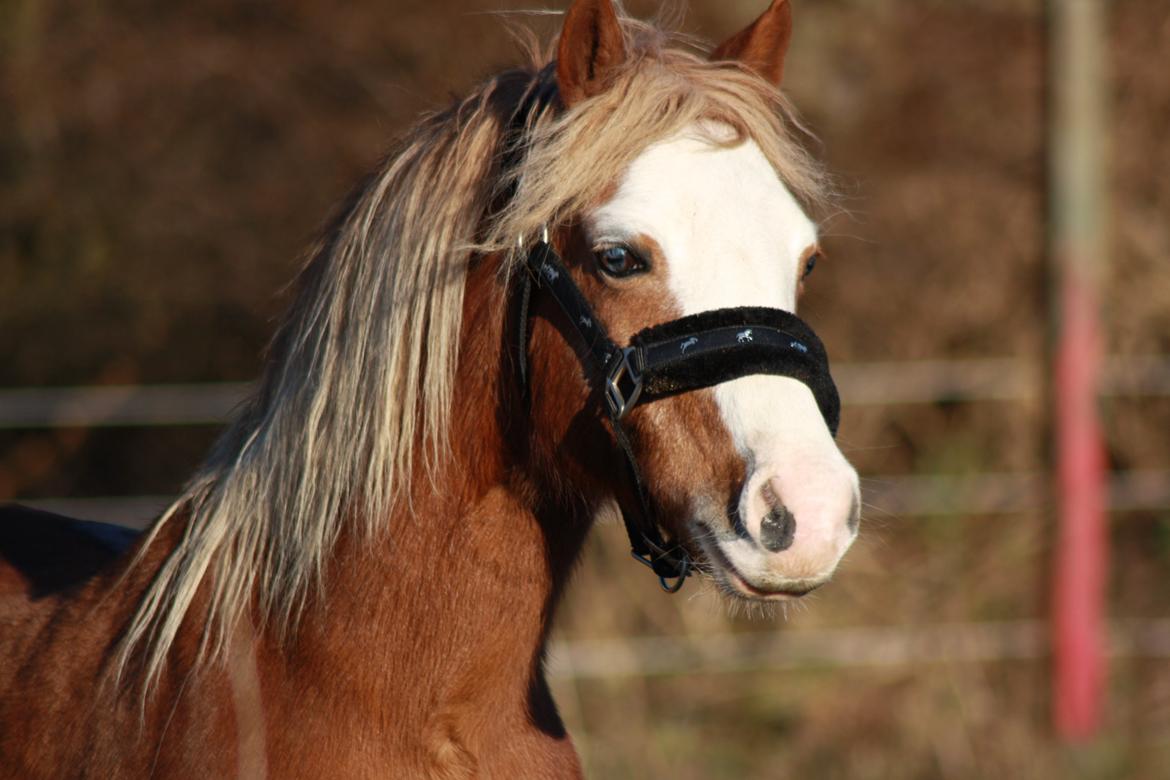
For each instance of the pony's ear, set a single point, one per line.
(762, 45)
(591, 47)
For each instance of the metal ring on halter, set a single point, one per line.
(623, 384)
(684, 571)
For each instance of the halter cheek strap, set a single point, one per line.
(690, 353)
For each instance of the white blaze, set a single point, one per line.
(732, 235)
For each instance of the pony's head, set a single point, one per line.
(705, 215)
(671, 186)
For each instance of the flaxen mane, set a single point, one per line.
(358, 388)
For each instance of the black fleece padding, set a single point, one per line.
(712, 347)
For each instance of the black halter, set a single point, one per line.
(690, 353)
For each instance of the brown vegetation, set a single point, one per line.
(163, 167)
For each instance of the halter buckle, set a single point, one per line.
(623, 386)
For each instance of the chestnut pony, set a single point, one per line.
(360, 580)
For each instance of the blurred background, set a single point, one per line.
(163, 167)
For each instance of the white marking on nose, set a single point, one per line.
(732, 235)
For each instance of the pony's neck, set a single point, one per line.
(445, 617)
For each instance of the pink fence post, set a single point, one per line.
(1077, 250)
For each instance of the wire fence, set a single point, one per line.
(861, 384)
(895, 495)
(864, 646)
(867, 384)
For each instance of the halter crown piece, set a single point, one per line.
(690, 353)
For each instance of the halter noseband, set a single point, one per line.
(690, 353)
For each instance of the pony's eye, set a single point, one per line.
(809, 265)
(620, 261)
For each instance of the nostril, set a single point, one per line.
(777, 529)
